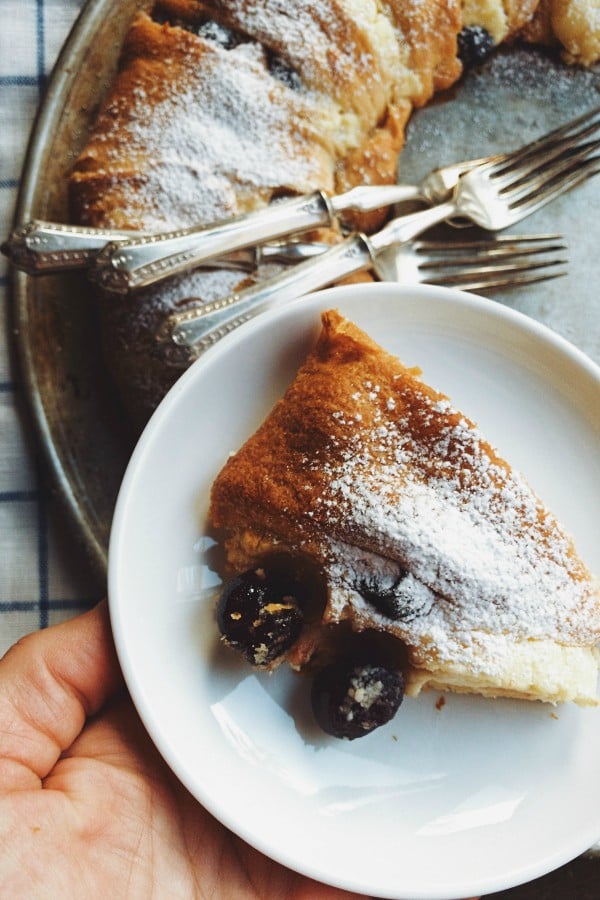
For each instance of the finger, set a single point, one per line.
(50, 682)
(116, 737)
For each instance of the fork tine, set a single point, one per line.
(524, 266)
(510, 279)
(553, 185)
(558, 139)
(504, 247)
(543, 163)
(547, 166)
(508, 260)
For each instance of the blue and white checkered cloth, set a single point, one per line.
(41, 579)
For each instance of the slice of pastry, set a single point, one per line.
(432, 551)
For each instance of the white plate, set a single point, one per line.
(473, 797)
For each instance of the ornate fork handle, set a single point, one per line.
(121, 260)
(143, 261)
(140, 262)
(219, 317)
(38, 246)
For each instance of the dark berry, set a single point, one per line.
(389, 596)
(259, 615)
(283, 72)
(217, 34)
(475, 44)
(208, 29)
(350, 700)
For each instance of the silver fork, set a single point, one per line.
(493, 196)
(473, 265)
(484, 264)
(39, 247)
(477, 265)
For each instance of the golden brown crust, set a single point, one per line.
(518, 13)
(539, 28)
(430, 30)
(576, 24)
(374, 162)
(168, 77)
(571, 25)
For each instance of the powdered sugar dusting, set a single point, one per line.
(357, 50)
(221, 132)
(421, 492)
(297, 89)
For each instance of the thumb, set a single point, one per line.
(50, 682)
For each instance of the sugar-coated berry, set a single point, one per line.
(217, 34)
(350, 700)
(389, 597)
(259, 615)
(282, 71)
(475, 44)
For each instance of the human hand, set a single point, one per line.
(87, 806)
